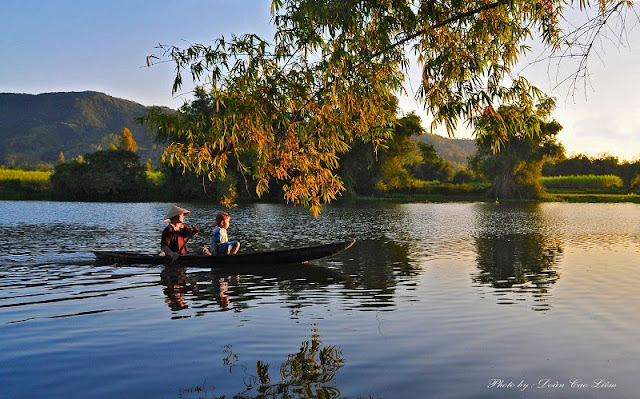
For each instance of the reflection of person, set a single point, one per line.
(221, 293)
(221, 288)
(176, 286)
(175, 236)
(220, 244)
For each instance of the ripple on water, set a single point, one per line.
(452, 293)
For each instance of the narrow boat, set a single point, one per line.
(275, 257)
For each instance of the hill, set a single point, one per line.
(455, 151)
(35, 128)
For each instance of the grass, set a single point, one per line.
(582, 182)
(27, 176)
(16, 184)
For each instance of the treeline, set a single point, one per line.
(403, 165)
(399, 165)
(582, 165)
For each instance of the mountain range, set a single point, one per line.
(456, 151)
(36, 128)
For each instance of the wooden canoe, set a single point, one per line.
(275, 257)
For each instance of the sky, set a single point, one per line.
(73, 45)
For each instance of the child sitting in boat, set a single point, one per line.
(175, 236)
(220, 244)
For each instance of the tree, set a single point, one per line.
(400, 155)
(325, 82)
(126, 141)
(516, 168)
(111, 175)
(194, 136)
(366, 170)
(61, 157)
(634, 185)
(432, 167)
(576, 165)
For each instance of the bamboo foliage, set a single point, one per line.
(286, 109)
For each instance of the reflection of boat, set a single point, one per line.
(275, 257)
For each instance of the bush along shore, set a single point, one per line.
(16, 184)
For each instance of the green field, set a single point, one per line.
(24, 184)
(30, 176)
(582, 182)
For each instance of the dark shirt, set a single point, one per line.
(176, 239)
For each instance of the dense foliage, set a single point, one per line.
(529, 140)
(432, 166)
(111, 175)
(285, 110)
(367, 170)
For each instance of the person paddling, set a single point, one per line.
(175, 236)
(220, 244)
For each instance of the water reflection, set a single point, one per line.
(174, 281)
(377, 268)
(59, 308)
(240, 287)
(309, 373)
(517, 264)
(366, 276)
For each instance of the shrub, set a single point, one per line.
(155, 178)
(463, 176)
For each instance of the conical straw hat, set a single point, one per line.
(175, 211)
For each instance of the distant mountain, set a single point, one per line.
(456, 151)
(36, 128)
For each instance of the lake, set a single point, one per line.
(460, 300)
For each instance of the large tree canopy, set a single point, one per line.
(286, 109)
(530, 139)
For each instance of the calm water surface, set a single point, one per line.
(434, 301)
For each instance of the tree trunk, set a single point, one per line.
(505, 185)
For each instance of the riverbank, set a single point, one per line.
(573, 198)
(34, 186)
(16, 191)
(595, 198)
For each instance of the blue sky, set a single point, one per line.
(65, 45)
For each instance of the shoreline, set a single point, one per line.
(392, 198)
